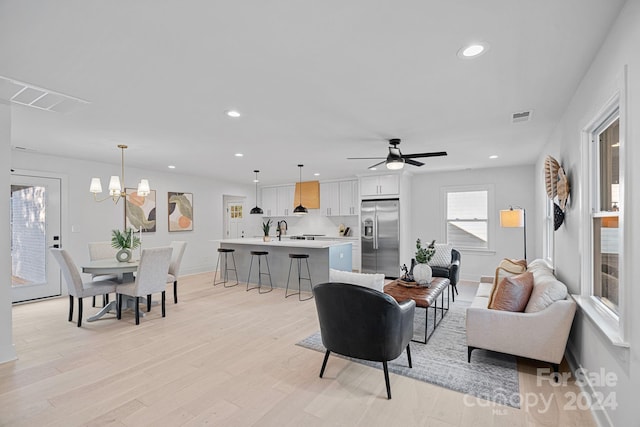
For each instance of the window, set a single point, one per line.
(466, 215)
(606, 233)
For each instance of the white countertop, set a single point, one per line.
(286, 242)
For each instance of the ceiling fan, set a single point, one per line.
(396, 160)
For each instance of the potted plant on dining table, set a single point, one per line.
(125, 241)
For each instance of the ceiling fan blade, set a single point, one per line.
(413, 162)
(365, 158)
(377, 164)
(434, 154)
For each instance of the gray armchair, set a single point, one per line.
(451, 272)
(364, 324)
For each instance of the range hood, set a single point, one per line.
(310, 194)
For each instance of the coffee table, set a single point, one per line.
(425, 297)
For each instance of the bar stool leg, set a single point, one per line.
(269, 274)
(286, 292)
(309, 279)
(215, 272)
(249, 275)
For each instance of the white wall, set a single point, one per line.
(7, 351)
(93, 221)
(587, 344)
(512, 186)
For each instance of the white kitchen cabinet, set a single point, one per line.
(284, 196)
(356, 261)
(380, 185)
(349, 200)
(269, 201)
(330, 198)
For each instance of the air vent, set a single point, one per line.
(43, 99)
(521, 116)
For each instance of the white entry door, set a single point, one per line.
(35, 226)
(234, 220)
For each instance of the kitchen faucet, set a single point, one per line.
(282, 226)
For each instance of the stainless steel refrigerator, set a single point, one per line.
(380, 237)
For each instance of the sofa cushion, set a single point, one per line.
(442, 257)
(546, 288)
(371, 281)
(512, 293)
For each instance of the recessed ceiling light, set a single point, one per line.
(171, 167)
(493, 156)
(316, 174)
(238, 154)
(233, 113)
(473, 50)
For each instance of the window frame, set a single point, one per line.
(489, 188)
(614, 326)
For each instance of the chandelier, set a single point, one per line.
(116, 189)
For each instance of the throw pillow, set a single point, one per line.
(512, 293)
(547, 288)
(507, 268)
(371, 281)
(442, 257)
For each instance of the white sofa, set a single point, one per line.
(540, 332)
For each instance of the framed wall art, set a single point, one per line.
(140, 211)
(180, 211)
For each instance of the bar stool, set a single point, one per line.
(299, 258)
(260, 254)
(226, 252)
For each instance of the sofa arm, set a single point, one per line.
(541, 335)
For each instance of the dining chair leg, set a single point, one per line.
(409, 355)
(70, 308)
(148, 303)
(175, 292)
(137, 310)
(386, 379)
(93, 303)
(119, 308)
(163, 303)
(79, 312)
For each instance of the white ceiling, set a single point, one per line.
(316, 81)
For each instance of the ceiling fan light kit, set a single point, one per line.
(395, 160)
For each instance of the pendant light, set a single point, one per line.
(300, 210)
(256, 210)
(116, 184)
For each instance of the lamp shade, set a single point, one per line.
(96, 186)
(512, 218)
(143, 188)
(114, 185)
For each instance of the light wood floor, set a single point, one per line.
(226, 357)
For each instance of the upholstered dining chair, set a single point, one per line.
(77, 288)
(151, 278)
(364, 324)
(97, 251)
(174, 267)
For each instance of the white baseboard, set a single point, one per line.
(8, 353)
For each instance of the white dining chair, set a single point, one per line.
(97, 251)
(77, 288)
(174, 267)
(151, 278)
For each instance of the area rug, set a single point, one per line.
(443, 360)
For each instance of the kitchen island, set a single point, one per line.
(323, 255)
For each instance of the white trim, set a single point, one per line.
(616, 328)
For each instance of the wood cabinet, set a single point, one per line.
(380, 185)
(349, 199)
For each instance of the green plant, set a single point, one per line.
(424, 255)
(124, 239)
(266, 226)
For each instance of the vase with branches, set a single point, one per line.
(422, 273)
(125, 241)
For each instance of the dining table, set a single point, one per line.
(123, 272)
